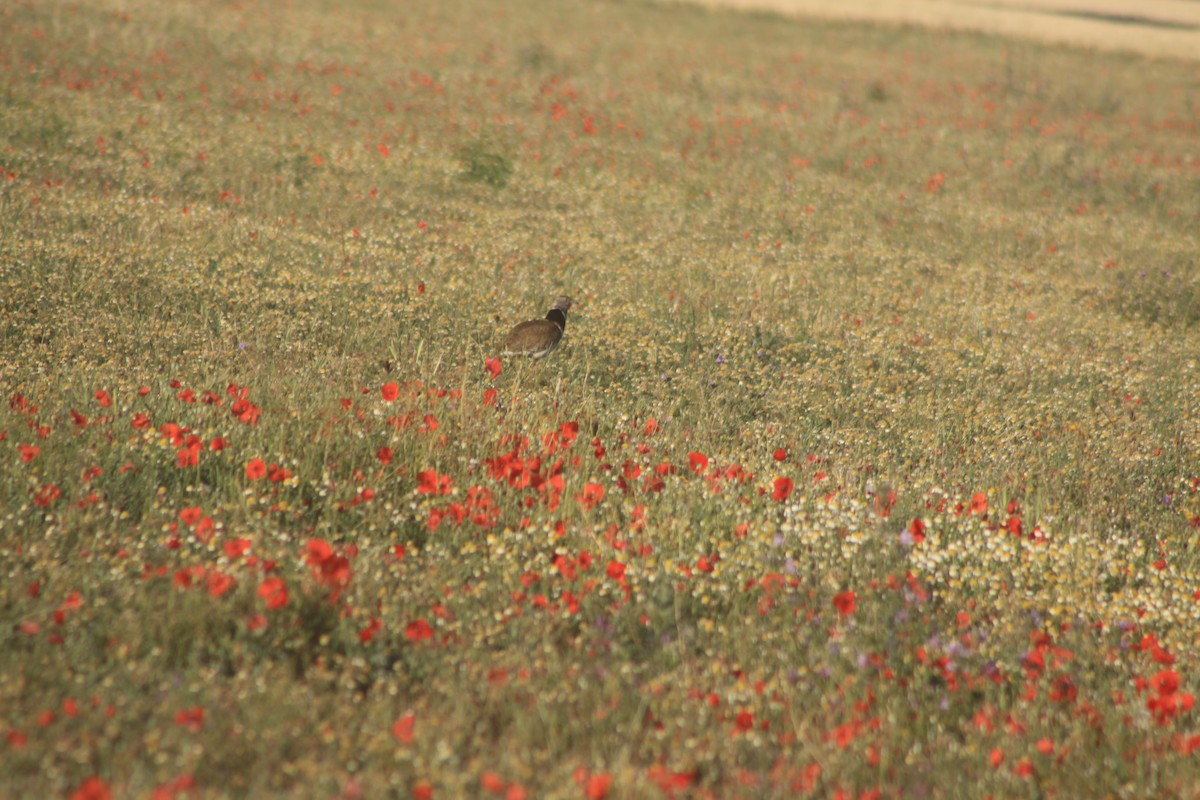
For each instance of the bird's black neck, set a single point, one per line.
(558, 317)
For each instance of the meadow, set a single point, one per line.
(867, 467)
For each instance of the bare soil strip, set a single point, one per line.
(1162, 28)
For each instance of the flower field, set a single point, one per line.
(867, 467)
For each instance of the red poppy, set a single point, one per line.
(255, 468)
(845, 602)
(47, 494)
(403, 728)
(418, 630)
(384, 454)
(190, 718)
(592, 494)
(1158, 653)
(329, 568)
(616, 570)
(492, 782)
(246, 411)
(174, 433)
(780, 454)
(317, 550)
(979, 503)
(28, 451)
(435, 518)
(567, 433)
(669, 780)
(178, 786)
(390, 391)
(189, 456)
(845, 734)
(698, 462)
(552, 488)
(430, 482)
(1168, 701)
(92, 788)
(218, 583)
(597, 785)
(103, 398)
(236, 548)
(1165, 682)
(493, 366)
(278, 474)
(186, 575)
(783, 488)
(368, 633)
(274, 592)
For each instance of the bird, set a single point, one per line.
(538, 337)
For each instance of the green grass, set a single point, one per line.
(946, 285)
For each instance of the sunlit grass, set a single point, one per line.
(867, 463)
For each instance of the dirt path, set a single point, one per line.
(1168, 28)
